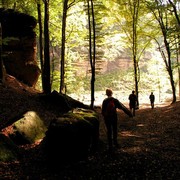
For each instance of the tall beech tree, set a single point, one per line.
(63, 42)
(46, 67)
(135, 18)
(177, 17)
(1, 61)
(41, 55)
(92, 46)
(129, 12)
(93, 60)
(160, 12)
(66, 6)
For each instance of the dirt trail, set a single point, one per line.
(150, 131)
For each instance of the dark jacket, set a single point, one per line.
(132, 100)
(117, 104)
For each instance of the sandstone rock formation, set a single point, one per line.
(19, 46)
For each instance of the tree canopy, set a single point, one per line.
(140, 33)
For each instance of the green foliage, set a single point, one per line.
(55, 79)
(6, 40)
(114, 41)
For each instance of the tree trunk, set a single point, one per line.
(94, 57)
(168, 62)
(175, 10)
(169, 68)
(41, 43)
(178, 55)
(90, 44)
(161, 17)
(135, 61)
(1, 61)
(63, 42)
(91, 56)
(179, 79)
(46, 70)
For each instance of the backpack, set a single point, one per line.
(111, 108)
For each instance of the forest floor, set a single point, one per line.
(149, 145)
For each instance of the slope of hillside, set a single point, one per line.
(149, 145)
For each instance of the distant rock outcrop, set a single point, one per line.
(19, 46)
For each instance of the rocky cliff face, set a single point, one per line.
(19, 46)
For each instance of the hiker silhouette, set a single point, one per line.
(109, 106)
(132, 102)
(152, 99)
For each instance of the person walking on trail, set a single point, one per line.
(152, 99)
(132, 102)
(109, 106)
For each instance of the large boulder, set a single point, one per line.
(19, 46)
(8, 150)
(55, 102)
(28, 129)
(72, 137)
(60, 102)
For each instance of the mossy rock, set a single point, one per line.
(28, 129)
(8, 150)
(73, 136)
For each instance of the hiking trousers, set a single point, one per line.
(111, 126)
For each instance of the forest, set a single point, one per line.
(57, 58)
(90, 46)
